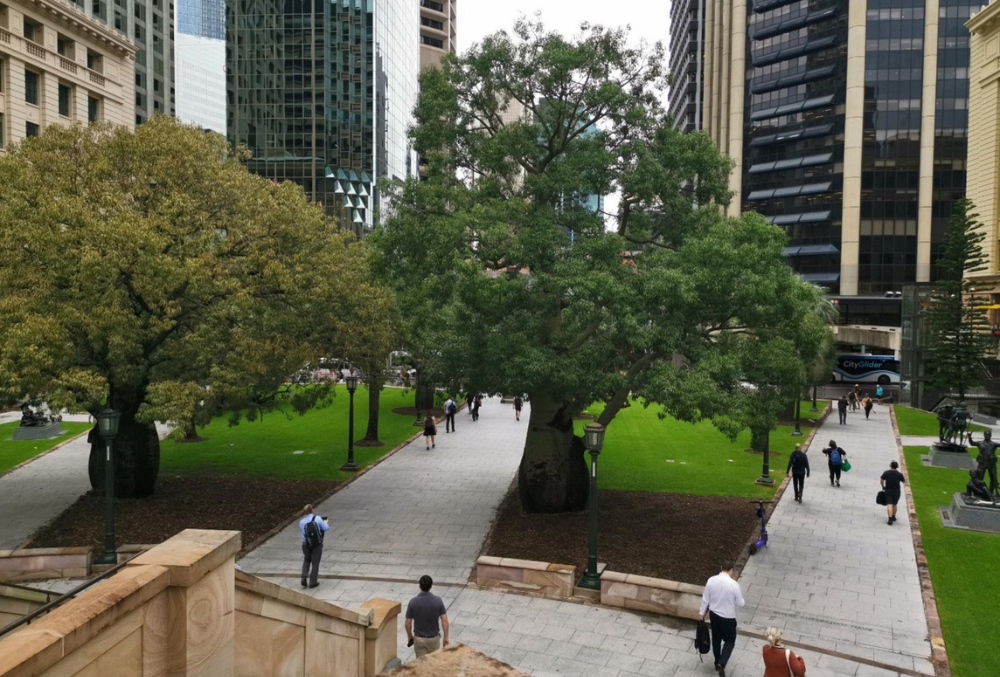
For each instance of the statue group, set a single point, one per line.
(953, 425)
(35, 416)
(986, 465)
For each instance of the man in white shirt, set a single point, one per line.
(721, 599)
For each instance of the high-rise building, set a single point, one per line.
(150, 25)
(200, 58)
(437, 30)
(58, 66)
(686, 63)
(322, 94)
(847, 122)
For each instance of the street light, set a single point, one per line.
(814, 408)
(593, 439)
(416, 391)
(107, 427)
(798, 413)
(352, 385)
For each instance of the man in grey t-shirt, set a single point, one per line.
(422, 614)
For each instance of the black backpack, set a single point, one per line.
(314, 536)
(452, 408)
(703, 638)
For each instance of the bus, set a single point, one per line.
(881, 369)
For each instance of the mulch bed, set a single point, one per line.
(248, 504)
(673, 536)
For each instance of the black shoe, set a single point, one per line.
(304, 584)
(314, 585)
(434, 446)
(838, 483)
(889, 521)
(722, 672)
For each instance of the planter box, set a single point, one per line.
(651, 594)
(37, 563)
(541, 578)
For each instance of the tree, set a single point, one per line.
(959, 327)
(510, 278)
(150, 270)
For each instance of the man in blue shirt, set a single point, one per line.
(313, 528)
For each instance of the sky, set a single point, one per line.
(478, 18)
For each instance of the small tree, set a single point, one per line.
(959, 327)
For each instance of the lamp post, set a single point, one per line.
(416, 391)
(352, 385)
(798, 413)
(107, 426)
(593, 436)
(814, 408)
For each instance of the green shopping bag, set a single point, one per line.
(846, 466)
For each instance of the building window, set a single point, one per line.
(31, 87)
(433, 42)
(32, 31)
(30, 129)
(65, 46)
(430, 4)
(65, 94)
(93, 109)
(95, 61)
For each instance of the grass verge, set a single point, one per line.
(13, 453)
(286, 445)
(643, 453)
(956, 560)
(918, 422)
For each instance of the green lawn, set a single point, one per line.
(965, 585)
(267, 446)
(643, 453)
(12, 453)
(918, 422)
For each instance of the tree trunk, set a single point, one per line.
(190, 431)
(553, 474)
(136, 453)
(374, 396)
(760, 439)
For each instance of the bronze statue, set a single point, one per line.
(986, 462)
(976, 488)
(32, 416)
(953, 421)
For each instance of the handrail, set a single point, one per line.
(44, 609)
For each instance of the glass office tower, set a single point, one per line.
(200, 58)
(321, 93)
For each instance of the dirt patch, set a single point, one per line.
(771, 452)
(673, 536)
(437, 412)
(369, 443)
(251, 505)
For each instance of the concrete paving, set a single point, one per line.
(419, 512)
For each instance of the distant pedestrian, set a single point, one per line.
(475, 407)
(867, 404)
(779, 661)
(720, 600)
(852, 399)
(430, 430)
(470, 399)
(879, 392)
(892, 484)
(798, 467)
(312, 527)
(422, 616)
(835, 458)
(518, 403)
(842, 409)
(450, 409)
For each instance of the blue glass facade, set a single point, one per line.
(205, 18)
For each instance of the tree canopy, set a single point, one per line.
(514, 283)
(150, 270)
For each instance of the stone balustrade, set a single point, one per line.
(541, 578)
(658, 595)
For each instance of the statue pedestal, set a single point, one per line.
(41, 432)
(953, 456)
(970, 515)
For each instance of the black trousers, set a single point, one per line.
(449, 420)
(835, 471)
(798, 482)
(310, 563)
(843, 416)
(723, 637)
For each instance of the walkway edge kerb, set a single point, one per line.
(744, 557)
(939, 652)
(293, 518)
(44, 453)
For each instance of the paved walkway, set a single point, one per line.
(419, 512)
(835, 575)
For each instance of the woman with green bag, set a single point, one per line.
(835, 459)
(845, 466)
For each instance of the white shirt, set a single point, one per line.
(722, 596)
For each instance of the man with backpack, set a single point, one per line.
(313, 528)
(450, 409)
(798, 466)
(842, 409)
(835, 458)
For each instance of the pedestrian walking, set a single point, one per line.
(313, 528)
(892, 484)
(867, 404)
(475, 407)
(852, 399)
(450, 409)
(422, 616)
(798, 468)
(835, 458)
(879, 392)
(779, 661)
(720, 600)
(430, 430)
(470, 399)
(518, 403)
(842, 409)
